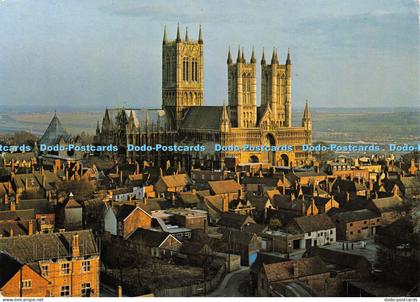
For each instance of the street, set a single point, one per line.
(232, 283)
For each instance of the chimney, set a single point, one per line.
(347, 196)
(31, 227)
(43, 180)
(161, 171)
(67, 174)
(6, 199)
(376, 194)
(121, 178)
(26, 183)
(119, 291)
(75, 246)
(138, 168)
(11, 231)
(284, 189)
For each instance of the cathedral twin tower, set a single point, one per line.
(183, 83)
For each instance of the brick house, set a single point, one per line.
(68, 260)
(20, 280)
(245, 244)
(122, 220)
(356, 225)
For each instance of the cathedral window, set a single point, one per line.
(185, 69)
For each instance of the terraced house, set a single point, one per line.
(62, 264)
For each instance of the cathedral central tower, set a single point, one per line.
(182, 74)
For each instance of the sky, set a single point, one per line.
(107, 53)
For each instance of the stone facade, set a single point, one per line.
(184, 120)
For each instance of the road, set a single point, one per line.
(231, 284)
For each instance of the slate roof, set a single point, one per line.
(237, 237)
(358, 215)
(18, 214)
(9, 267)
(224, 186)
(37, 247)
(233, 220)
(18, 227)
(54, 132)
(314, 223)
(286, 270)
(38, 206)
(258, 202)
(148, 237)
(202, 118)
(340, 258)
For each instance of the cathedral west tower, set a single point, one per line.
(182, 74)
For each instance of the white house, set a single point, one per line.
(318, 230)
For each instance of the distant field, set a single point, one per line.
(73, 122)
(343, 125)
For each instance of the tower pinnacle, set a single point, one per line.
(253, 60)
(200, 36)
(263, 58)
(229, 59)
(178, 35)
(165, 36)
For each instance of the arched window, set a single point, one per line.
(185, 69)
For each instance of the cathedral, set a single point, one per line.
(184, 119)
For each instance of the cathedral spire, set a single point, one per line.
(253, 60)
(306, 113)
(288, 60)
(224, 119)
(277, 58)
(200, 36)
(238, 59)
(165, 36)
(229, 58)
(187, 39)
(263, 58)
(307, 117)
(243, 56)
(178, 35)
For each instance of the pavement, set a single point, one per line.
(368, 249)
(229, 287)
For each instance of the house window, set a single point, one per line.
(26, 284)
(86, 266)
(351, 224)
(364, 222)
(86, 290)
(65, 291)
(351, 233)
(358, 231)
(65, 268)
(44, 270)
(331, 232)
